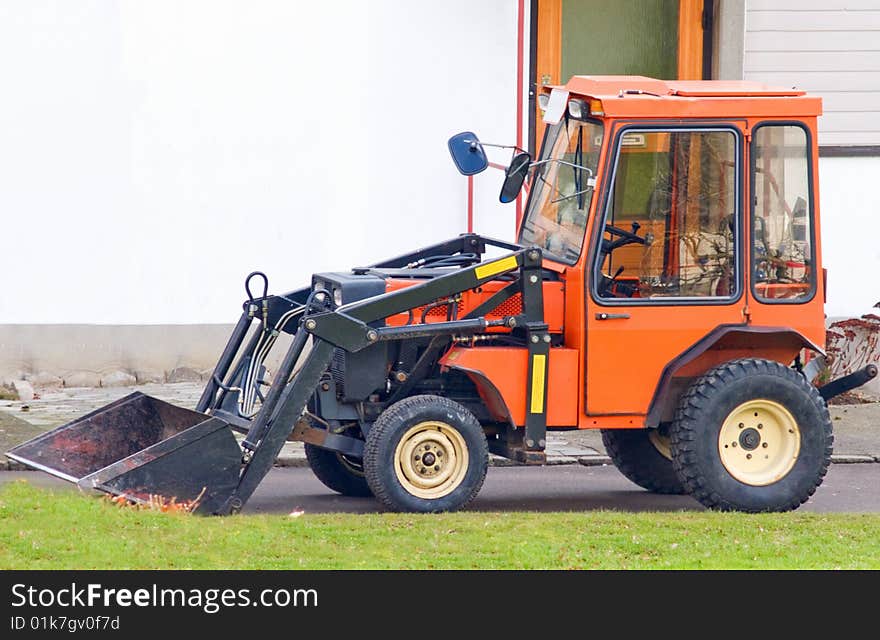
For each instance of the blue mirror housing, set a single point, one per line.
(467, 153)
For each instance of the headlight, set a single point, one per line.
(576, 109)
(337, 297)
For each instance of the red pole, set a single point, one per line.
(520, 38)
(470, 190)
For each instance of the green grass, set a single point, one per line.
(45, 530)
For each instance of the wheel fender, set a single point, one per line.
(489, 393)
(737, 340)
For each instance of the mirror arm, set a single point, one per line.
(496, 146)
(563, 162)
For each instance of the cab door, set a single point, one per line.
(665, 265)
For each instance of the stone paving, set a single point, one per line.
(54, 407)
(857, 427)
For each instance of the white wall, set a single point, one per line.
(830, 48)
(827, 47)
(153, 153)
(850, 209)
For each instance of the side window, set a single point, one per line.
(670, 221)
(782, 246)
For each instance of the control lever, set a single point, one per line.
(614, 277)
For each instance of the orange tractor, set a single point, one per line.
(666, 287)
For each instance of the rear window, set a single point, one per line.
(782, 221)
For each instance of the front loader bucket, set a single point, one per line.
(142, 448)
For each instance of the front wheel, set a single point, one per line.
(751, 435)
(426, 454)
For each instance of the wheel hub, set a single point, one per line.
(431, 459)
(759, 442)
(749, 439)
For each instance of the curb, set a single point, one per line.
(495, 461)
(848, 458)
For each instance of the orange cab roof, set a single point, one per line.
(639, 96)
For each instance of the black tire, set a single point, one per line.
(637, 458)
(340, 473)
(404, 419)
(700, 420)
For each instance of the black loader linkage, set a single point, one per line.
(170, 456)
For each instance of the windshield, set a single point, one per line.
(562, 189)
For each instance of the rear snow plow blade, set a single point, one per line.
(138, 447)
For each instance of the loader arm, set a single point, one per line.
(140, 447)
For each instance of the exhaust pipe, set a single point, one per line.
(848, 383)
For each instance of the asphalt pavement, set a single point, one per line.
(848, 488)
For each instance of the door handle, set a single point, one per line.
(612, 316)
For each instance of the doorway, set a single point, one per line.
(663, 39)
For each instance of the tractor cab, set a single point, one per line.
(673, 207)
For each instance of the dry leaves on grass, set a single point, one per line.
(155, 502)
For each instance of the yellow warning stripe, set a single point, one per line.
(493, 268)
(539, 366)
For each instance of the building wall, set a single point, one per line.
(154, 153)
(850, 205)
(832, 48)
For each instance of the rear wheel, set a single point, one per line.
(752, 435)
(644, 457)
(426, 453)
(343, 474)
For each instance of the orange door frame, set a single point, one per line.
(549, 46)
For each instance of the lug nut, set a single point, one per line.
(417, 457)
(437, 468)
(760, 426)
(741, 425)
(749, 456)
(764, 444)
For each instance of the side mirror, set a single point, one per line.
(515, 176)
(467, 153)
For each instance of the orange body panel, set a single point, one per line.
(554, 304)
(506, 368)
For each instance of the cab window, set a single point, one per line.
(670, 227)
(782, 247)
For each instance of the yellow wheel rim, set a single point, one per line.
(431, 460)
(661, 443)
(759, 442)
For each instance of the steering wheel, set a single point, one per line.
(630, 236)
(624, 237)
